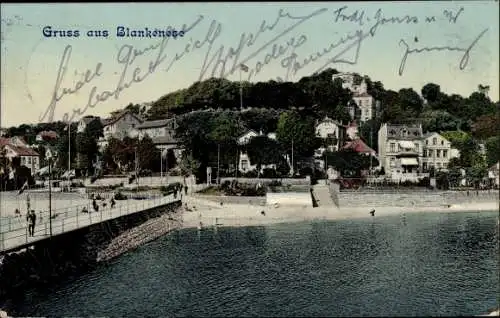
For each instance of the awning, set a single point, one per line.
(407, 144)
(409, 162)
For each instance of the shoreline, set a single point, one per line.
(235, 215)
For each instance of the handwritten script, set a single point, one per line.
(221, 60)
(463, 61)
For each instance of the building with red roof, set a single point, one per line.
(359, 146)
(15, 147)
(46, 135)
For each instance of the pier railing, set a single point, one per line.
(14, 230)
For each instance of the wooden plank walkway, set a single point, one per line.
(14, 230)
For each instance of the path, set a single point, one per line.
(72, 219)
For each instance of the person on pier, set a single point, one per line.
(31, 218)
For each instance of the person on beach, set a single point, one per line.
(175, 193)
(186, 190)
(113, 202)
(17, 213)
(95, 205)
(31, 218)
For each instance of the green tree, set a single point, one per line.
(171, 160)
(263, 151)
(148, 156)
(431, 92)
(486, 126)
(368, 131)
(297, 131)
(492, 150)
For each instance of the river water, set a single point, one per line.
(418, 264)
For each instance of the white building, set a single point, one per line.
(365, 103)
(162, 132)
(84, 121)
(493, 174)
(14, 147)
(437, 152)
(352, 130)
(244, 163)
(119, 125)
(400, 148)
(330, 129)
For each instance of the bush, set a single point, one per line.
(171, 188)
(250, 174)
(269, 173)
(120, 196)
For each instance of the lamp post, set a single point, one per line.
(69, 156)
(48, 155)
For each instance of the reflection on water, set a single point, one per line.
(419, 264)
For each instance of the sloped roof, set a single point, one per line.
(23, 151)
(48, 134)
(118, 116)
(88, 119)
(396, 131)
(164, 140)
(155, 123)
(358, 145)
(362, 95)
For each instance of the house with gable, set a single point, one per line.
(437, 152)
(16, 147)
(400, 150)
(162, 132)
(244, 163)
(121, 124)
(365, 106)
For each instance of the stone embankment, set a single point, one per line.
(144, 233)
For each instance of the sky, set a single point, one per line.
(458, 49)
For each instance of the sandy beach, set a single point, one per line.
(209, 213)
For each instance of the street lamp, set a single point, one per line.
(48, 155)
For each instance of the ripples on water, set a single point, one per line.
(420, 264)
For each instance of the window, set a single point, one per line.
(438, 153)
(427, 142)
(445, 153)
(393, 162)
(424, 153)
(417, 147)
(442, 142)
(29, 160)
(438, 165)
(445, 165)
(424, 166)
(430, 153)
(244, 164)
(393, 147)
(434, 141)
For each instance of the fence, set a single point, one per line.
(15, 232)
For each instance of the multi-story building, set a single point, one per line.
(331, 131)
(493, 175)
(162, 132)
(437, 152)
(408, 154)
(14, 147)
(365, 105)
(244, 163)
(84, 121)
(400, 148)
(121, 124)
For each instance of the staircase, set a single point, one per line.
(322, 195)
